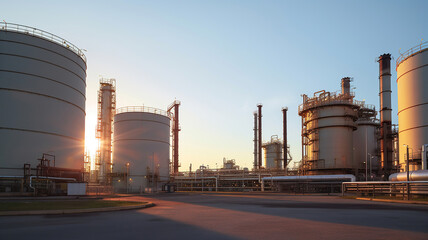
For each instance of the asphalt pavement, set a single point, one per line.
(231, 216)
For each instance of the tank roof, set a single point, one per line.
(143, 109)
(412, 51)
(31, 31)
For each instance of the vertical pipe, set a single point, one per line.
(259, 106)
(284, 128)
(255, 141)
(385, 113)
(176, 129)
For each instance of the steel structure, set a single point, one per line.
(104, 131)
(259, 137)
(328, 125)
(141, 147)
(255, 142)
(42, 95)
(412, 85)
(365, 140)
(175, 130)
(273, 153)
(386, 137)
(284, 137)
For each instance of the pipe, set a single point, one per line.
(259, 106)
(255, 140)
(385, 113)
(56, 178)
(420, 175)
(424, 156)
(349, 177)
(284, 144)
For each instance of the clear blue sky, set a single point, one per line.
(221, 58)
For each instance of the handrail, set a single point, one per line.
(12, 27)
(143, 109)
(410, 52)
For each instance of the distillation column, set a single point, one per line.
(106, 111)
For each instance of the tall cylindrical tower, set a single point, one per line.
(412, 84)
(386, 137)
(42, 99)
(141, 148)
(106, 111)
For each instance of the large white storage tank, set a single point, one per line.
(412, 84)
(141, 149)
(42, 99)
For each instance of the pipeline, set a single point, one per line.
(420, 175)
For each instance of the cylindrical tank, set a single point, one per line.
(273, 154)
(412, 84)
(141, 146)
(328, 125)
(42, 99)
(366, 145)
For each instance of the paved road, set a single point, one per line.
(232, 216)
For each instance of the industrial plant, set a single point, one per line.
(343, 140)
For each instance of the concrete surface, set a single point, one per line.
(232, 216)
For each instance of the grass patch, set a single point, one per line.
(63, 204)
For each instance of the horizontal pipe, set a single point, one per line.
(420, 175)
(312, 177)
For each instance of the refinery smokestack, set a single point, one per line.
(284, 128)
(259, 106)
(346, 86)
(255, 141)
(385, 113)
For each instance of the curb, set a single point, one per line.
(74, 211)
(393, 201)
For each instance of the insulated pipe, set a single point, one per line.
(385, 112)
(255, 140)
(420, 175)
(284, 128)
(259, 106)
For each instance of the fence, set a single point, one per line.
(404, 190)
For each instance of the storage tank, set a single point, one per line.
(42, 99)
(366, 147)
(327, 131)
(141, 146)
(412, 84)
(273, 153)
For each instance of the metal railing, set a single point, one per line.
(398, 189)
(143, 109)
(12, 27)
(411, 52)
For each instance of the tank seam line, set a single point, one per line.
(417, 105)
(47, 50)
(413, 128)
(44, 95)
(2, 70)
(35, 131)
(411, 71)
(35, 59)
